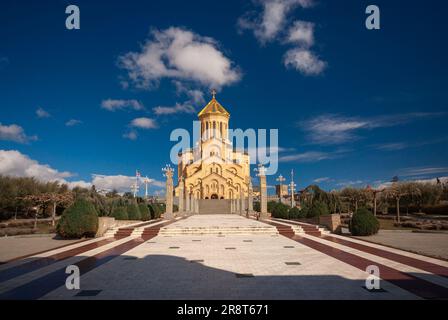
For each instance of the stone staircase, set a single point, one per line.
(126, 231)
(214, 206)
(219, 230)
(306, 228)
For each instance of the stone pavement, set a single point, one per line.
(225, 266)
(431, 244)
(19, 246)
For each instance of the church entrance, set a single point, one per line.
(214, 196)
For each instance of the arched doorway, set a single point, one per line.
(214, 196)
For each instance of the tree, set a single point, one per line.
(354, 196)
(44, 200)
(399, 190)
(374, 193)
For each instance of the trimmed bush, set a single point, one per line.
(364, 223)
(79, 220)
(120, 213)
(271, 205)
(155, 210)
(133, 212)
(280, 210)
(317, 209)
(144, 212)
(296, 213)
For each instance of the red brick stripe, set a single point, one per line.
(417, 286)
(41, 286)
(413, 262)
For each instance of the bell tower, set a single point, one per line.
(214, 129)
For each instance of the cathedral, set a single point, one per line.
(213, 169)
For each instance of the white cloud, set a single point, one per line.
(336, 129)
(301, 33)
(14, 133)
(178, 108)
(304, 61)
(144, 123)
(350, 183)
(73, 122)
(272, 19)
(180, 54)
(421, 171)
(131, 135)
(320, 180)
(14, 163)
(78, 184)
(271, 24)
(120, 183)
(114, 105)
(196, 96)
(41, 113)
(310, 156)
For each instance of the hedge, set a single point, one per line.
(120, 213)
(317, 209)
(133, 212)
(144, 212)
(79, 220)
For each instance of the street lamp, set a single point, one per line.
(281, 179)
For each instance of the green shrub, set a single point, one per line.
(120, 213)
(317, 209)
(133, 212)
(257, 206)
(280, 210)
(175, 208)
(296, 213)
(155, 210)
(144, 212)
(79, 220)
(271, 205)
(364, 223)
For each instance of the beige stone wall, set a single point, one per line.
(332, 222)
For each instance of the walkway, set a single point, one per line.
(225, 265)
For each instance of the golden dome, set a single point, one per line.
(214, 107)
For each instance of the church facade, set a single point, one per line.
(213, 169)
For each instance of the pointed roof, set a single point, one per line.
(214, 107)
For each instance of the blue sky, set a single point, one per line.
(353, 106)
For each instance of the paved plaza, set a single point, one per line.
(225, 257)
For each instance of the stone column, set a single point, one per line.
(242, 203)
(263, 193)
(196, 205)
(237, 205)
(187, 201)
(250, 200)
(181, 196)
(169, 192)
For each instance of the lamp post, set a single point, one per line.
(261, 172)
(281, 179)
(168, 173)
(146, 181)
